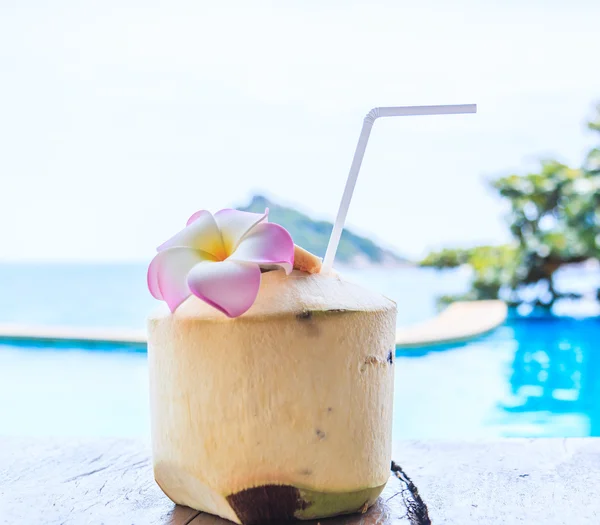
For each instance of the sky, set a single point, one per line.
(118, 119)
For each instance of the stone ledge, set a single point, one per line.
(461, 321)
(532, 481)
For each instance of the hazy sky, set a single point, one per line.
(118, 119)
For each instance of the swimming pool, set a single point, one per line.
(530, 377)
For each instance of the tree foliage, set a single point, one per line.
(554, 220)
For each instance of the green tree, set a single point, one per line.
(554, 219)
(494, 269)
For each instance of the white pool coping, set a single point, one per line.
(459, 322)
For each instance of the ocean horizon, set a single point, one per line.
(115, 295)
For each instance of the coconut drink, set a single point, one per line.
(271, 383)
(271, 377)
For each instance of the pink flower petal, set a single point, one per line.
(195, 216)
(234, 224)
(267, 244)
(153, 278)
(167, 274)
(229, 286)
(202, 233)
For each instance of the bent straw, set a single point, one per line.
(375, 113)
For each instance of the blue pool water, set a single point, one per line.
(530, 377)
(537, 376)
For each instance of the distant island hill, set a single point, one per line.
(313, 236)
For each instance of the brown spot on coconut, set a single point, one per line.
(266, 504)
(372, 361)
(304, 316)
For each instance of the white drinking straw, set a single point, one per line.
(374, 114)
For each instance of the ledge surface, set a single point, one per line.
(535, 481)
(461, 321)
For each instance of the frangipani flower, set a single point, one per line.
(219, 259)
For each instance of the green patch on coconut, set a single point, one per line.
(326, 504)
